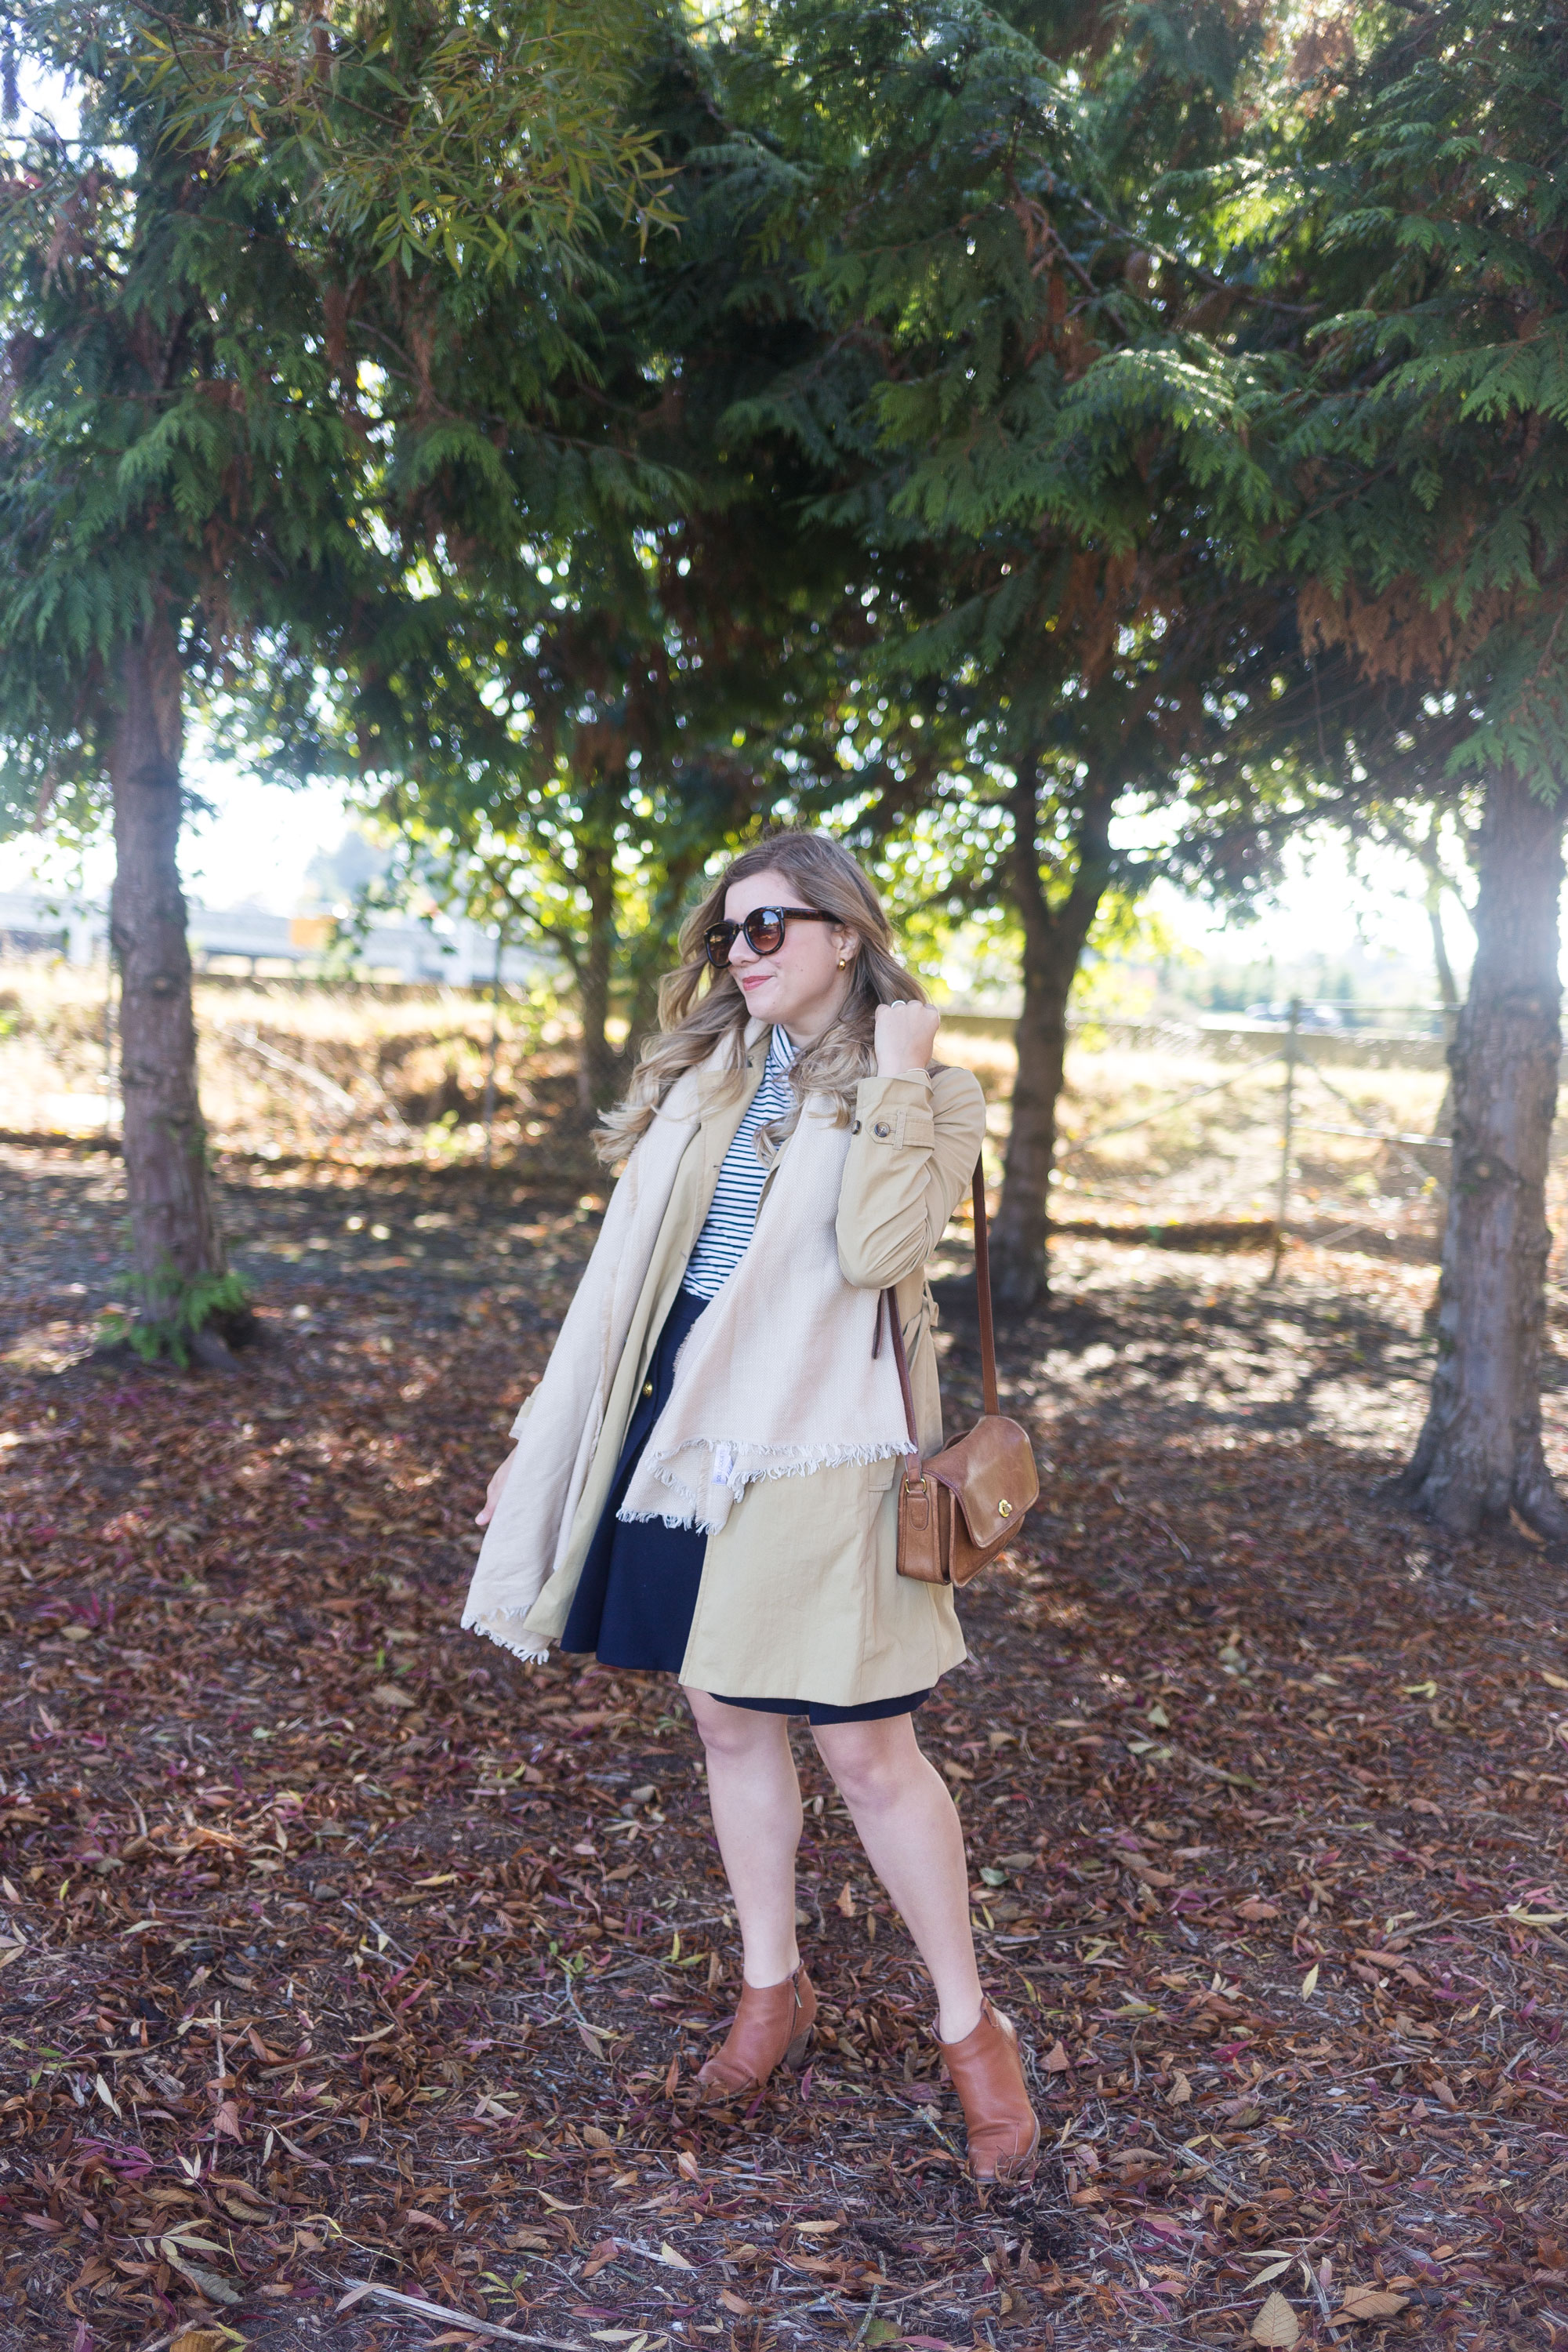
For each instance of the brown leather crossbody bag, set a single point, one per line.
(959, 1507)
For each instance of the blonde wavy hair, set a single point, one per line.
(700, 1009)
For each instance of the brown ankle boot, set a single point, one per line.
(772, 2027)
(988, 2076)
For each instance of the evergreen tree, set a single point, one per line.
(983, 191)
(1406, 463)
(657, 632)
(1446, 567)
(191, 484)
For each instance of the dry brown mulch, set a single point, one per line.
(339, 1949)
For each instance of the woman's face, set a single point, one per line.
(800, 985)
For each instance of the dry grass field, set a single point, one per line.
(1189, 1135)
(1192, 1137)
(288, 1069)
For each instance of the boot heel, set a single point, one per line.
(795, 2057)
(756, 2042)
(988, 2076)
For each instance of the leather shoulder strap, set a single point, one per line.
(982, 1285)
(888, 1303)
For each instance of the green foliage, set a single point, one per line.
(173, 1310)
(1390, 433)
(983, 205)
(595, 431)
(472, 136)
(647, 640)
(219, 406)
(1450, 373)
(174, 444)
(596, 870)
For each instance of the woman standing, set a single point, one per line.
(705, 1479)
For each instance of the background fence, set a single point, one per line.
(1173, 1128)
(1205, 1131)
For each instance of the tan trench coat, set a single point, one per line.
(800, 1595)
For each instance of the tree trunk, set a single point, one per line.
(600, 1070)
(187, 1301)
(657, 954)
(1479, 1454)
(1054, 939)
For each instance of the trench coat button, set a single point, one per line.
(855, 1128)
(881, 1128)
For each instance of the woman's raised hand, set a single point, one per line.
(904, 1038)
(494, 1493)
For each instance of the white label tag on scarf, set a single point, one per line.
(724, 1465)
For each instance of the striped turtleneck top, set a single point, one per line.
(727, 1230)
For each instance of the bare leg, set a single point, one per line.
(910, 1828)
(755, 1801)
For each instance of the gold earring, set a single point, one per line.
(843, 961)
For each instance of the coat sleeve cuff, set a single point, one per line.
(896, 1112)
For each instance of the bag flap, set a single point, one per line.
(990, 1476)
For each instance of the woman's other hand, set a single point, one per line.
(904, 1038)
(494, 1492)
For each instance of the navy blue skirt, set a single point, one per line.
(635, 1599)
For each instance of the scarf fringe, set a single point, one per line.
(799, 1466)
(798, 1392)
(528, 1651)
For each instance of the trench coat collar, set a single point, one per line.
(721, 1093)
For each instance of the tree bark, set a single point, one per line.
(176, 1245)
(657, 954)
(1053, 940)
(600, 1069)
(1479, 1455)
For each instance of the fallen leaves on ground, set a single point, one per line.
(1264, 1790)
(1276, 2324)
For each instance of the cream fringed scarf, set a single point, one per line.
(776, 1379)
